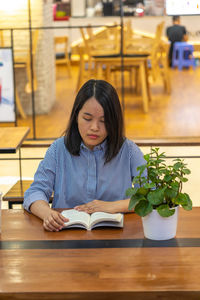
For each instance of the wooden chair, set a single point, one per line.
(81, 74)
(93, 48)
(86, 47)
(159, 59)
(87, 68)
(101, 44)
(164, 66)
(61, 52)
(25, 62)
(90, 32)
(159, 31)
(158, 65)
(127, 34)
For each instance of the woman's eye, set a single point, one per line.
(87, 119)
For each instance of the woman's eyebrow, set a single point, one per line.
(88, 114)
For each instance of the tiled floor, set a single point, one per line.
(9, 169)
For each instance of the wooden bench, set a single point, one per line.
(16, 194)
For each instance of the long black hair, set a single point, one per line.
(107, 97)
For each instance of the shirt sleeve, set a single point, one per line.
(44, 178)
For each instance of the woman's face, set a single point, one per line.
(91, 124)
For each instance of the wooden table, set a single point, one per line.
(16, 194)
(139, 61)
(98, 264)
(11, 138)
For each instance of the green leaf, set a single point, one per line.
(143, 190)
(167, 178)
(186, 171)
(164, 210)
(188, 206)
(175, 186)
(156, 197)
(131, 191)
(183, 179)
(177, 159)
(149, 185)
(134, 200)
(143, 208)
(170, 193)
(141, 169)
(177, 166)
(146, 157)
(181, 199)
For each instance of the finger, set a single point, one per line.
(80, 207)
(51, 225)
(64, 219)
(89, 207)
(89, 210)
(47, 226)
(59, 219)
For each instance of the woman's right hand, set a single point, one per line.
(54, 221)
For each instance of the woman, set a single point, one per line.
(91, 166)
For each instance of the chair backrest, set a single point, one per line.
(128, 29)
(87, 48)
(164, 62)
(115, 33)
(155, 56)
(159, 64)
(90, 32)
(85, 41)
(159, 31)
(82, 61)
(61, 46)
(156, 50)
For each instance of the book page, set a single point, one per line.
(76, 217)
(98, 217)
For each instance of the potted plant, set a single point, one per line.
(156, 194)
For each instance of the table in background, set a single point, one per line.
(109, 263)
(139, 61)
(11, 139)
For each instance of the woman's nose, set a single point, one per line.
(94, 125)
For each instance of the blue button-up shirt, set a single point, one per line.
(76, 180)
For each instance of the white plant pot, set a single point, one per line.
(160, 228)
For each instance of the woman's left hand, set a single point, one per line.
(99, 205)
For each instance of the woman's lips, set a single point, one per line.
(93, 136)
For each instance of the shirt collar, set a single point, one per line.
(101, 147)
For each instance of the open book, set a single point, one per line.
(84, 220)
